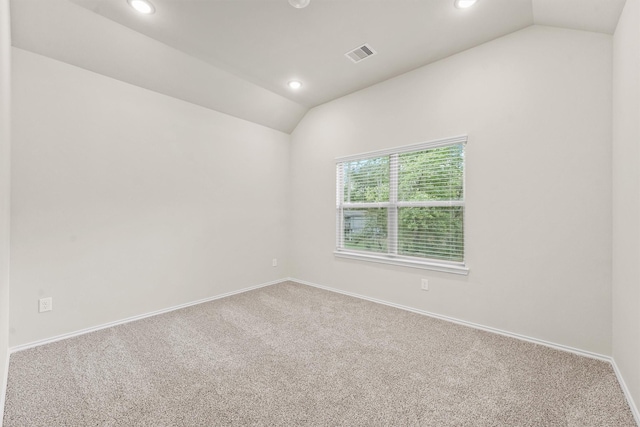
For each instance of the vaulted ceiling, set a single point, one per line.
(236, 56)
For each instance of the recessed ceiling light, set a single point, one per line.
(294, 84)
(142, 6)
(463, 4)
(299, 4)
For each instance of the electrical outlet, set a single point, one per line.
(274, 263)
(424, 285)
(46, 304)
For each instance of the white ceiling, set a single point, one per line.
(600, 16)
(266, 43)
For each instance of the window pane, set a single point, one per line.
(433, 232)
(366, 229)
(434, 174)
(366, 180)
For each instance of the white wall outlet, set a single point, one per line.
(45, 304)
(274, 262)
(424, 284)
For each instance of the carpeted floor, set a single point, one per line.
(294, 355)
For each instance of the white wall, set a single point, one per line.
(5, 69)
(126, 201)
(626, 197)
(537, 108)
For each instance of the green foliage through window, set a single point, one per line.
(409, 204)
(366, 229)
(367, 180)
(434, 232)
(431, 174)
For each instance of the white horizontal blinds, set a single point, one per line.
(365, 200)
(365, 229)
(339, 198)
(431, 203)
(366, 181)
(404, 204)
(393, 202)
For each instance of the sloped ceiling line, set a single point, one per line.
(236, 57)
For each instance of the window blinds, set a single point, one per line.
(407, 203)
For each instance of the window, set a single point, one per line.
(404, 206)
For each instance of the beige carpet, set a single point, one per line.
(294, 355)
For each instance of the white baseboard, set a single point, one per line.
(630, 401)
(463, 322)
(138, 317)
(3, 388)
(625, 390)
(579, 352)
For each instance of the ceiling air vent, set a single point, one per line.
(360, 53)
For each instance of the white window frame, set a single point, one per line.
(392, 226)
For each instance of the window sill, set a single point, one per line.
(426, 265)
